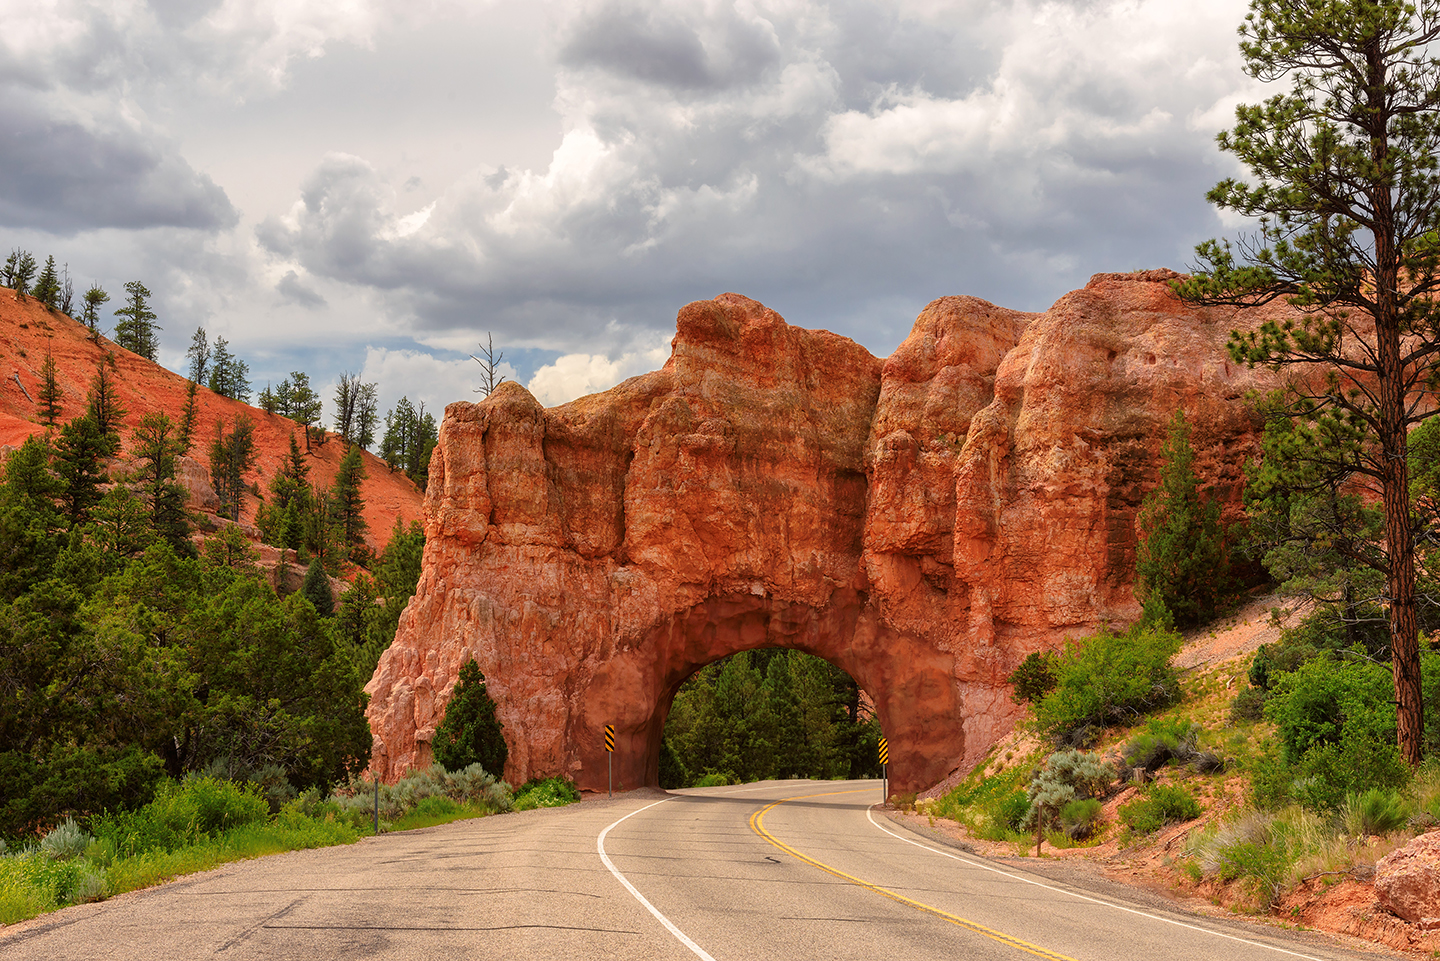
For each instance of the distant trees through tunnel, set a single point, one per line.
(768, 713)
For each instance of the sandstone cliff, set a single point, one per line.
(924, 522)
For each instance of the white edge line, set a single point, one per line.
(870, 814)
(669, 925)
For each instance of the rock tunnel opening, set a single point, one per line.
(909, 682)
(767, 714)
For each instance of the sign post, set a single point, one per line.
(884, 760)
(610, 754)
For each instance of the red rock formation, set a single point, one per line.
(924, 523)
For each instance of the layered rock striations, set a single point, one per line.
(923, 522)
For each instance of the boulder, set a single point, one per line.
(1407, 881)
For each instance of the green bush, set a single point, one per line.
(1262, 849)
(1157, 806)
(715, 779)
(1248, 705)
(1335, 727)
(1010, 809)
(1065, 777)
(549, 793)
(1107, 679)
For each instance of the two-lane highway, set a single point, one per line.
(791, 870)
(782, 871)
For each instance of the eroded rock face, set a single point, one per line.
(924, 523)
(1407, 881)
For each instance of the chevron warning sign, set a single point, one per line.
(884, 751)
(610, 738)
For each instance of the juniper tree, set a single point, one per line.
(470, 733)
(1181, 560)
(1345, 183)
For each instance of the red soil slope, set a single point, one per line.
(28, 331)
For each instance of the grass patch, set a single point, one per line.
(203, 822)
(990, 806)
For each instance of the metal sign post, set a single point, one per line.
(610, 754)
(377, 805)
(884, 762)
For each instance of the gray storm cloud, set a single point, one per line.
(777, 154)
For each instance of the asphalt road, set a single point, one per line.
(783, 871)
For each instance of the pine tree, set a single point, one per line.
(95, 297)
(348, 506)
(490, 378)
(1344, 187)
(47, 285)
(67, 291)
(199, 354)
(19, 271)
(1182, 559)
(231, 457)
(50, 392)
(365, 416)
(304, 403)
(229, 375)
(80, 453)
(103, 407)
(157, 447)
(188, 418)
(470, 732)
(136, 332)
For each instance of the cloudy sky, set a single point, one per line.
(373, 185)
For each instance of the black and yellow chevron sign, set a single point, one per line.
(884, 751)
(610, 738)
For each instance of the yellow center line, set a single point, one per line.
(757, 824)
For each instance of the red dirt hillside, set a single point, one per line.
(28, 331)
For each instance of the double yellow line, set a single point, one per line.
(757, 824)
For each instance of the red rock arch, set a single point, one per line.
(924, 523)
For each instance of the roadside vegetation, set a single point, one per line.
(1280, 768)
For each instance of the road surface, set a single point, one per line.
(779, 871)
